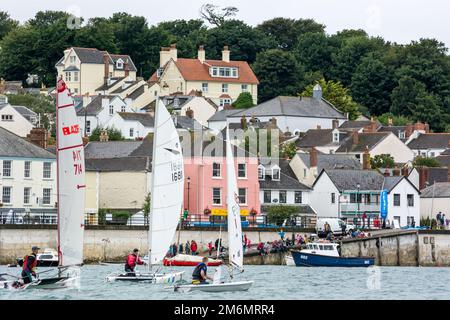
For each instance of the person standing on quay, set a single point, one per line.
(187, 247)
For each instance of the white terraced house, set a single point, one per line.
(27, 178)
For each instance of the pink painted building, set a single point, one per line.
(206, 185)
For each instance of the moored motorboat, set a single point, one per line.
(48, 258)
(157, 278)
(185, 260)
(326, 254)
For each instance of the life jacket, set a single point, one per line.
(132, 260)
(196, 274)
(25, 263)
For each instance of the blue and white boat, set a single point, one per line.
(326, 254)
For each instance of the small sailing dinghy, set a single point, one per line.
(70, 196)
(235, 249)
(166, 199)
(186, 260)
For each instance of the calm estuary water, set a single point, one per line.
(271, 282)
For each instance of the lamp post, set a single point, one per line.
(188, 189)
(358, 186)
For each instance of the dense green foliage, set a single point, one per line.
(382, 161)
(277, 214)
(289, 150)
(243, 101)
(113, 134)
(287, 55)
(426, 162)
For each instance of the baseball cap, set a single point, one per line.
(35, 248)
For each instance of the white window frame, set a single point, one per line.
(245, 171)
(47, 172)
(225, 101)
(131, 132)
(276, 168)
(26, 195)
(269, 192)
(205, 87)
(9, 188)
(284, 192)
(224, 87)
(399, 200)
(72, 59)
(27, 170)
(244, 87)
(111, 109)
(244, 195)
(214, 170)
(261, 172)
(123, 109)
(75, 76)
(214, 197)
(410, 196)
(46, 196)
(68, 76)
(88, 126)
(298, 192)
(7, 117)
(7, 174)
(119, 64)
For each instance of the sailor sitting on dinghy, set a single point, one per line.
(131, 262)
(199, 275)
(29, 265)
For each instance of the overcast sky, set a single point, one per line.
(395, 20)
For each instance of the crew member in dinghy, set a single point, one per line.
(131, 262)
(29, 265)
(199, 275)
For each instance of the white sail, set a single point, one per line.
(235, 250)
(70, 180)
(167, 185)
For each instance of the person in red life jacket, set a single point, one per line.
(131, 262)
(29, 265)
(194, 248)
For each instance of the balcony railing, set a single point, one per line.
(350, 208)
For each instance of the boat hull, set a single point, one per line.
(302, 259)
(147, 277)
(181, 263)
(41, 263)
(215, 287)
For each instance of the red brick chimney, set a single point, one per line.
(409, 130)
(423, 177)
(38, 136)
(355, 137)
(313, 157)
(190, 113)
(405, 171)
(126, 66)
(396, 171)
(366, 159)
(335, 124)
(106, 64)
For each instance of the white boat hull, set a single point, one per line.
(289, 260)
(215, 287)
(156, 278)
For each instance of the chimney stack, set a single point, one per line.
(38, 136)
(173, 51)
(423, 177)
(390, 122)
(164, 56)
(427, 128)
(225, 54)
(190, 113)
(335, 123)
(243, 123)
(313, 158)
(273, 122)
(386, 173)
(405, 171)
(409, 130)
(355, 137)
(201, 54)
(106, 64)
(366, 159)
(396, 171)
(317, 92)
(126, 66)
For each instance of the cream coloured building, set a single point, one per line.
(86, 69)
(220, 80)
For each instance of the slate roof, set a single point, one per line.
(319, 137)
(144, 118)
(348, 179)
(184, 122)
(355, 124)
(392, 181)
(364, 139)
(120, 89)
(119, 164)
(169, 101)
(288, 180)
(293, 107)
(332, 161)
(437, 175)
(430, 141)
(24, 111)
(395, 130)
(110, 149)
(439, 190)
(137, 92)
(194, 70)
(71, 68)
(444, 158)
(107, 86)
(95, 56)
(12, 145)
(223, 114)
(95, 106)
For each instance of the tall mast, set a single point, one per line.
(60, 257)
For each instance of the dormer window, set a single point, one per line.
(119, 64)
(335, 135)
(261, 172)
(276, 173)
(401, 135)
(159, 72)
(72, 59)
(111, 110)
(224, 72)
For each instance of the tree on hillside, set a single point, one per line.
(279, 73)
(98, 33)
(214, 16)
(243, 101)
(113, 134)
(6, 24)
(382, 161)
(370, 82)
(337, 94)
(426, 162)
(396, 120)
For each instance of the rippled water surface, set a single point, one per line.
(271, 282)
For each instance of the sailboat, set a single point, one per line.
(235, 249)
(70, 184)
(166, 199)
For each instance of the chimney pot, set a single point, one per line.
(201, 54)
(317, 92)
(39, 137)
(190, 113)
(106, 64)
(423, 177)
(335, 124)
(396, 172)
(225, 54)
(366, 159)
(405, 171)
(243, 123)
